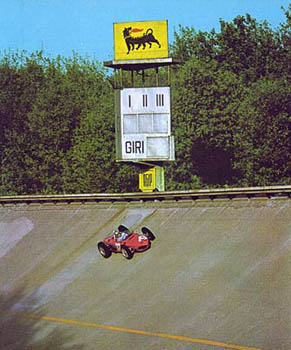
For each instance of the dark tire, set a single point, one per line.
(126, 252)
(104, 250)
(148, 233)
(122, 228)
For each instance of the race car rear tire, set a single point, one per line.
(122, 228)
(148, 233)
(126, 252)
(104, 250)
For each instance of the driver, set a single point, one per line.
(120, 236)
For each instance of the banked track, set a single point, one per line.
(217, 275)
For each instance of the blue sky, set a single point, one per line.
(60, 27)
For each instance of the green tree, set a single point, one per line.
(205, 100)
(230, 118)
(244, 46)
(188, 43)
(90, 165)
(263, 147)
(284, 62)
(20, 78)
(52, 97)
(70, 85)
(250, 48)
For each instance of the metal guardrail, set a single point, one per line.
(230, 193)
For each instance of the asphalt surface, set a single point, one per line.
(218, 276)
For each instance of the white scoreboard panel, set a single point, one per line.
(145, 124)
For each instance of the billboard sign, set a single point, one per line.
(140, 40)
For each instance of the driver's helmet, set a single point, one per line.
(117, 234)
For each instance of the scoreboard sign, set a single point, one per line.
(140, 40)
(144, 125)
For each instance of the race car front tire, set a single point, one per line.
(104, 250)
(126, 252)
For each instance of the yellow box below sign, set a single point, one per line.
(140, 40)
(152, 180)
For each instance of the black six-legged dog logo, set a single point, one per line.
(146, 38)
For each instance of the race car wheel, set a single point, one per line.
(104, 250)
(126, 252)
(123, 228)
(148, 233)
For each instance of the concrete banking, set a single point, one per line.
(218, 276)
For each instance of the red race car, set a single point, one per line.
(126, 242)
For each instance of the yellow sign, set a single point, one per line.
(140, 40)
(152, 179)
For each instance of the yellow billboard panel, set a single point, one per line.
(140, 40)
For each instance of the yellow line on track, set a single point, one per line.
(140, 332)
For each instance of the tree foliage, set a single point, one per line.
(230, 115)
(263, 149)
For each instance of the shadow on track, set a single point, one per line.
(20, 331)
